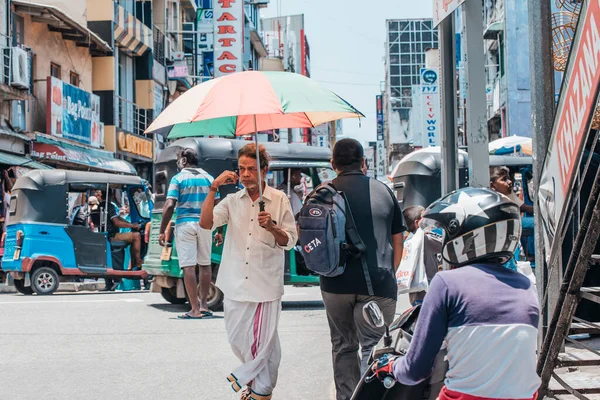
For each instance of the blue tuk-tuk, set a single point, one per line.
(43, 244)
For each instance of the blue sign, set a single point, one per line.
(429, 76)
(73, 113)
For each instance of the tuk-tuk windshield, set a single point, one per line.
(141, 200)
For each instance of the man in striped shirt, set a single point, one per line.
(187, 192)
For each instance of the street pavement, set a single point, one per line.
(132, 346)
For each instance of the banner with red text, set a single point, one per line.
(571, 127)
(229, 36)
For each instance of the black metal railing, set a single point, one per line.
(130, 117)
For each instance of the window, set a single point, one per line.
(74, 79)
(395, 81)
(394, 48)
(395, 70)
(55, 70)
(393, 26)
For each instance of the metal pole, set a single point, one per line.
(542, 118)
(448, 97)
(261, 203)
(476, 123)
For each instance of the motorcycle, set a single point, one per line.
(395, 343)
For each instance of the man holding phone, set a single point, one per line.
(251, 271)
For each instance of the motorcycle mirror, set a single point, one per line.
(373, 315)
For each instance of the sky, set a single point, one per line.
(347, 47)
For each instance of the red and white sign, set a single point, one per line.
(572, 122)
(229, 36)
(443, 8)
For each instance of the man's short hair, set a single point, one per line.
(498, 172)
(348, 155)
(249, 150)
(411, 215)
(190, 155)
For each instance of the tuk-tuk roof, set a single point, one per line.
(224, 149)
(38, 179)
(428, 161)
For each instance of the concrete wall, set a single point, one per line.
(50, 47)
(74, 9)
(516, 64)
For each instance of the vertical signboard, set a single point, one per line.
(205, 29)
(430, 105)
(228, 36)
(381, 159)
(379, 105)
(571, 127)
(72, 113)
(370, 156)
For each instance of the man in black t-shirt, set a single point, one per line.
(378, 219)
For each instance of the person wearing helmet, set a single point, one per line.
(487, 314)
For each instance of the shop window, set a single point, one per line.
(74, 79)
(55, 70)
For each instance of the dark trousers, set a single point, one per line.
(349, 330)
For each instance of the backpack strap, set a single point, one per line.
(357, 243)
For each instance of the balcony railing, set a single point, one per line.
(130, 117)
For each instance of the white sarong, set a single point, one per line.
(252, 333)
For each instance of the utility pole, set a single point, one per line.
(542, 118)
(476, 123)
(449, 150)
(332, 133)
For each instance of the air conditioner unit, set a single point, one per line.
(20, 68)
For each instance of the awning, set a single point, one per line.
(493, 30)
(20, 161)
(62, 152)
(58, 21)
(4, 131)
(131, 34)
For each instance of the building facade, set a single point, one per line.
(507, 68)
(288, 50)
(407, 43)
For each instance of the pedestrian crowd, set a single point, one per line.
(453, 258)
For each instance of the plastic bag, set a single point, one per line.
(524, 267)
(411, 276)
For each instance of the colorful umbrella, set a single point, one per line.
(511, 145)
(251, 102)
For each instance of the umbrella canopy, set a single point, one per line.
(249, 102)
(517, 145)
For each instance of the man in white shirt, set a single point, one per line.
(251, 271)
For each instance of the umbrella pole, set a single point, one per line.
(261, 203)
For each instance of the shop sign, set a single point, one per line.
(443, 8)
(381, 159)
(177, 71)
(205, 29)
(430, 106)
(133, 144)
(159, 99)
(571, 128)
(73, 113)
(370, 156)
(62, 154)
(379, 104)
(228, 33)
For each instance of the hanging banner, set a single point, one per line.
(443, 8)
(72, 113)
(571, 128)
(229, 38)
(430, 107)
(379, 104)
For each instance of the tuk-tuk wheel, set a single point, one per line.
(170, 295)
(44, 281)
(21, 288)
(215, 297)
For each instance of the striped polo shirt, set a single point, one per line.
(189, 188)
